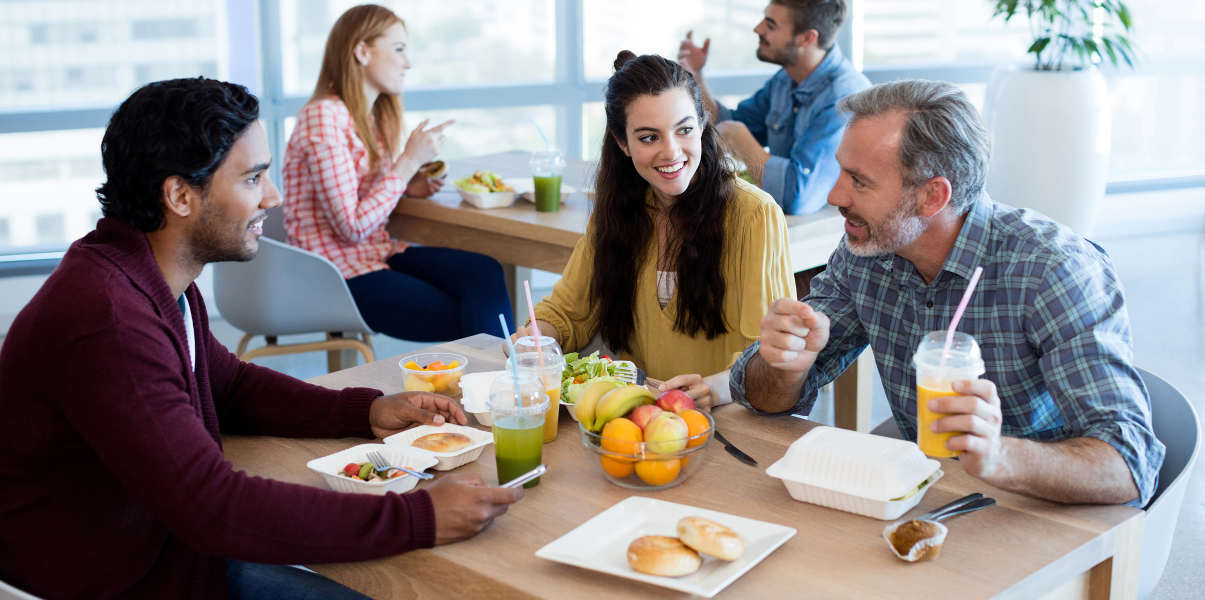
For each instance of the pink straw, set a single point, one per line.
(962, 306)
(531, 313)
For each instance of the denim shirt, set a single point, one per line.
(802, 128)
(1049, 315)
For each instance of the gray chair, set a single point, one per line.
(9, 592)
(286, 290)
(1176, 425)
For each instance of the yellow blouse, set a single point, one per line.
(757, 269)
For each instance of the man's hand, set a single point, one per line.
(693, 385)
(976, 413)
(465, 505)
(391, 414)
(792, 335)
(746, 147)
(692, 57)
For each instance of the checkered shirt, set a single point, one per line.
(334, 203)
(1048, 313)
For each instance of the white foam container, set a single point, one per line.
(475, 395)
(855, 472)
(330, 465)
(488, 199)
(445, 461)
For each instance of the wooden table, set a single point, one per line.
(1020, 548)
(519, 237)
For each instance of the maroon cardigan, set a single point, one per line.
(112, 478)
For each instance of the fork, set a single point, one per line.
(379, 463)
(625, 371)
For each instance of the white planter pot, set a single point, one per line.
(1051, 132)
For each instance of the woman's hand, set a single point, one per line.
(421, 186)
(693, 385)
(546, 329)
(422, 147)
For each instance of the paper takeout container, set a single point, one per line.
(487, 199)
(475, 395)
(330, 465)
(445, 461)
(856, 472)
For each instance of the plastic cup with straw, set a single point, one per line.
(546, 169)
(550, 374)
(942, 358)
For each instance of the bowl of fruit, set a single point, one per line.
(437, 372)
(643, 442)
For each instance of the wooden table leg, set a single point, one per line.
(852, 394)
(1117, 577)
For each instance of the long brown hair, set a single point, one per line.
(623, 227)
(341, 75)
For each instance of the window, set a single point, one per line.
(47, 187)
(927, 32)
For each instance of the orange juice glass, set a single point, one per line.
(548, 364)
(935, 376)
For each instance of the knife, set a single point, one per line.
(734, 451)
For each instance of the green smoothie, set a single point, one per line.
(548, 192)
(518, 442)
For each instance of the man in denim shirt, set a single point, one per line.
(1061, 412)
(795, 113)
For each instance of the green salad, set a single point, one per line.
(581, 369)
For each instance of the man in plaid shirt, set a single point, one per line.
(1061, 413)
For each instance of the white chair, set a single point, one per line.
(1176, 425)
(286, 290)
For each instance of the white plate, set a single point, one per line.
(601, 544)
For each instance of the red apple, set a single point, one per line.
(641, 415)
(675, 401)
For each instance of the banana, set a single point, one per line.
(616, 403)
(586, 401)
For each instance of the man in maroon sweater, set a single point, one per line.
(111, 465)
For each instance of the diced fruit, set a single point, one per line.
(365, 471)
(435, 366)
(413, 365)
(414, 383)
(352, 469)
(453, 364)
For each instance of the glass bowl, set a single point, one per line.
(645, 465)
(442, 381)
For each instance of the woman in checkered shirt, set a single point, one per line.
(344, 174)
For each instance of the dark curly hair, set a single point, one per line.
(623, 228)
(180, 127)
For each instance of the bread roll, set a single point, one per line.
(662, 555)
(434, 169)
(710, 538)
(442, 442)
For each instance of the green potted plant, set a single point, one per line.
(1050, 120)
(1065, 32)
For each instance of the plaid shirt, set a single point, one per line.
(1048, 314)
(334, 203)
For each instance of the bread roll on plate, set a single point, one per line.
(662, 555)
(442, 442)
(710, 538)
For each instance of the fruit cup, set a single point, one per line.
(437, 372)
(628, 460)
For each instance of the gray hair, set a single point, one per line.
(943, 136)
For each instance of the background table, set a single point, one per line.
(1020, 548)
(519, 237)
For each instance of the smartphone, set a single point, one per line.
(528, 476)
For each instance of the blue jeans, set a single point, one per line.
(434, 294)
(245, 580)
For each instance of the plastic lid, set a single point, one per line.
(860, 464)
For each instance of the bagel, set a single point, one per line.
(442, 442)
(434, 169)
(662, 555)
(708, 537)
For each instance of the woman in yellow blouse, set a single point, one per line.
(681, 258)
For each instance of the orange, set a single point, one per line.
(615, 467)
(696, 423)
(658, 472)
(621, 436)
